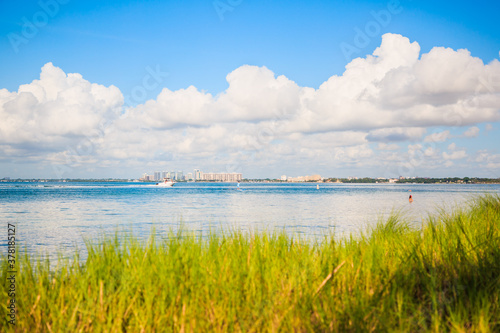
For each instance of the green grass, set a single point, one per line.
(444, 277)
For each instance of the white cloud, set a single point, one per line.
(56, 110)
(438, 137)
(394, 95)
(385, 146)
(396, 134)
(486, 157)
(254, 94)
(394, 88)
(472, 132)
(455, 155)
(431, 152)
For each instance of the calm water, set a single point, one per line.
(56, 216)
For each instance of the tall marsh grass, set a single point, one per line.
(443, 277)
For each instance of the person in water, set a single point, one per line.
(410, 199)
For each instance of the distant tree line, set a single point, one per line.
(448, 180)
(465, 180)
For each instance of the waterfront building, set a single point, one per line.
(198, 175)
(313, 178)
(157, 175)
(222, 177)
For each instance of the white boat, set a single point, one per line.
(167, 182)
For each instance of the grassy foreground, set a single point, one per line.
(444, 277)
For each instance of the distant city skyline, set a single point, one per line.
(197, 175)
(364, 88)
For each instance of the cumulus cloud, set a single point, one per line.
(455, 155)
(448, 163)
(254, 94)
(472, 132)
(55, 110)
(385, 146)
(393, 87)
(396, 134)
(396, 94)
(438, 137)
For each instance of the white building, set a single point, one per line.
(222, 177)
(198, 175)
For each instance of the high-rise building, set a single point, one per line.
(198, 175)
(157, 175)
(189, 176)
(180, 175)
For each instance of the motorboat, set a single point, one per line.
(167, 182)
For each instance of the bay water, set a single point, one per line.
(53, 218)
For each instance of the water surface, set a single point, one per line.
(58, 216)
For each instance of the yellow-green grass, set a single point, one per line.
(442, 277)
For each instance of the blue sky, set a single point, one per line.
(111, 42)
(199, 43)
